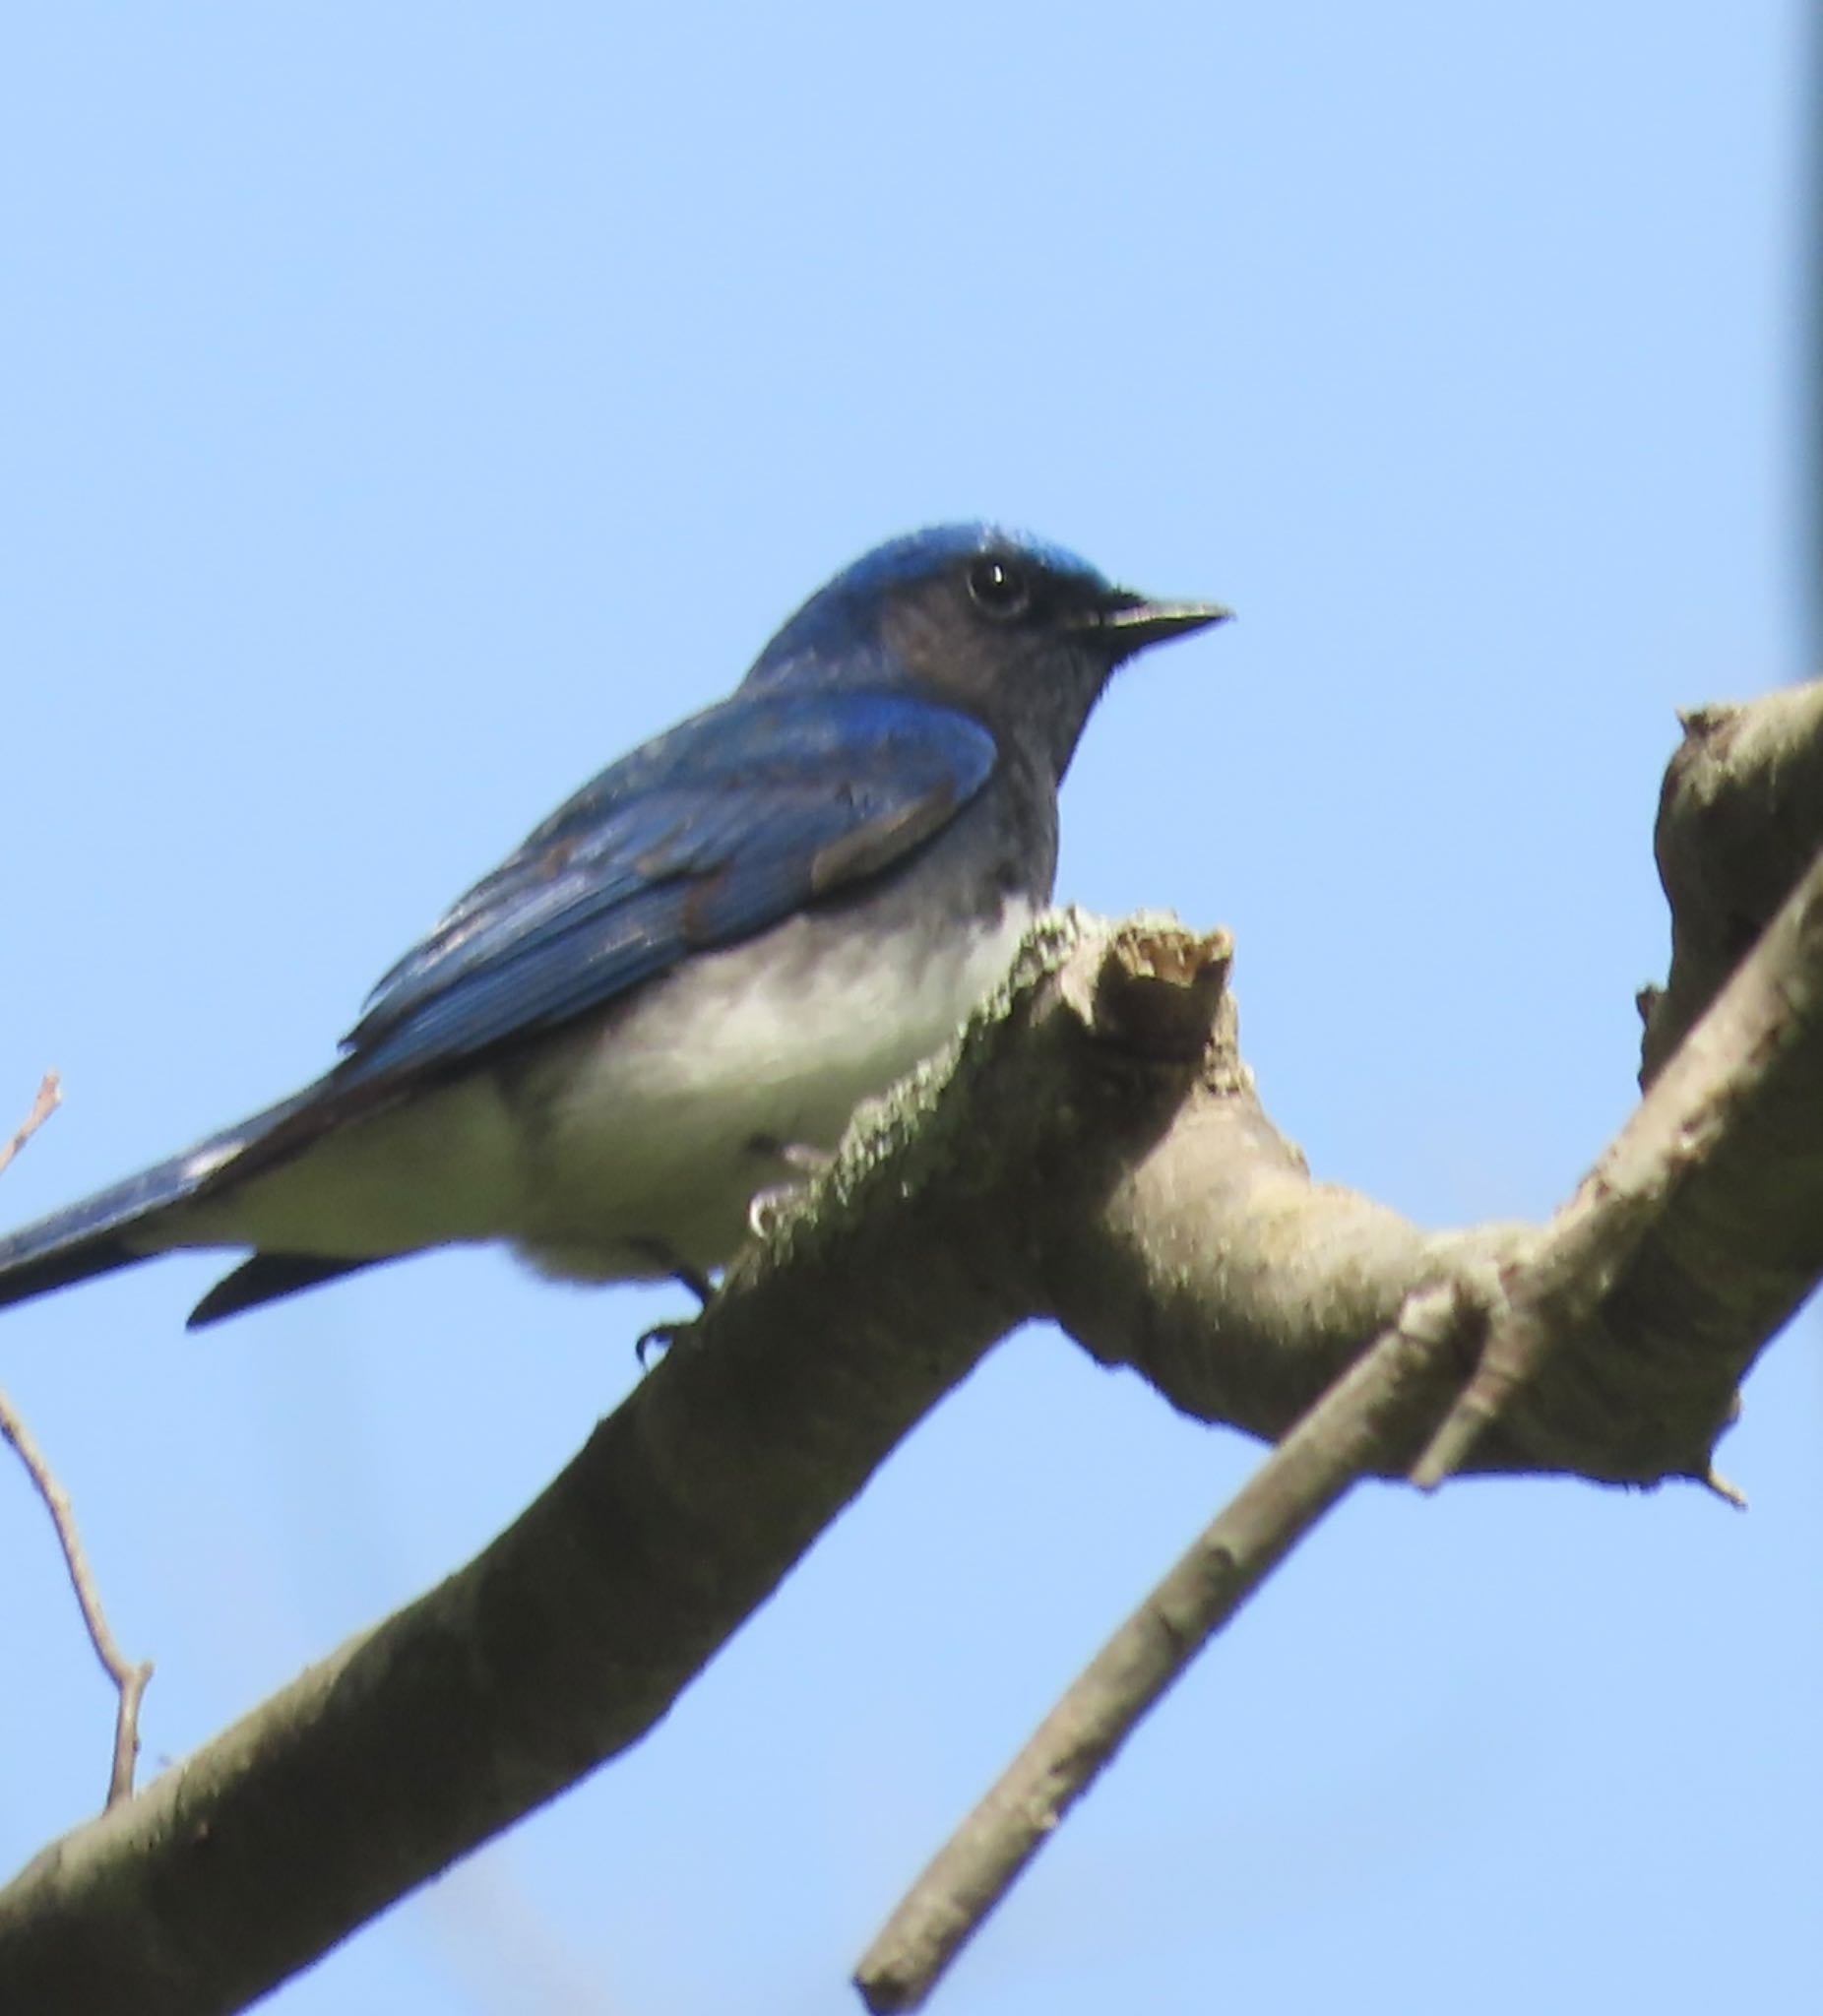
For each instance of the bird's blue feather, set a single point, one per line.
(698, 840)
(705, 957)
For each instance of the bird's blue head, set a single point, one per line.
(1017, 632)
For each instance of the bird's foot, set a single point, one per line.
(662, 1336)
(765, 1207)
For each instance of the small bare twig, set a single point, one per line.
(1713, 1092)
(1704, 1095)
(1375, 1410)
(129, 1679)
(51, 1095)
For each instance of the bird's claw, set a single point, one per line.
(805, 1158)
(660, 1337)
(664, 1335)
(765, 1206)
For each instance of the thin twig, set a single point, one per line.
(1703, 1100)
(1695, 1106)
(129, 1681)
(51, 1094)
(1374, 1411)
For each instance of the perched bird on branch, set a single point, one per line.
(675, 992)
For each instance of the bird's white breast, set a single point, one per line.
(632, 1145)
(656, 1130)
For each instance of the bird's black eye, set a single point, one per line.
(999, 588)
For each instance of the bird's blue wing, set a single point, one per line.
(707, 835)
(704, 837)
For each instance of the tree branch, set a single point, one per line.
(49, 1096)
(1384, 1401)
(129, 1679)
(1093, 1151)
(1758, 1049)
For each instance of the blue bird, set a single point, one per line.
(678, 988)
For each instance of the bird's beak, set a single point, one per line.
(1137, 621)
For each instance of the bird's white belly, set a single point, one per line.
(632, 1147)
(656, 1131)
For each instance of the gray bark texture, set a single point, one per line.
(1091, 1151)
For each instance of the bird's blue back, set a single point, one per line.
(705, 837)
(827, 765)
(926, 700)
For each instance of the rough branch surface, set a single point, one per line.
(1093, 1152)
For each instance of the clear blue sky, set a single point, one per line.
(407, 409)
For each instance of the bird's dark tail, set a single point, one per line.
(94, 1237)
(120, 1225)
